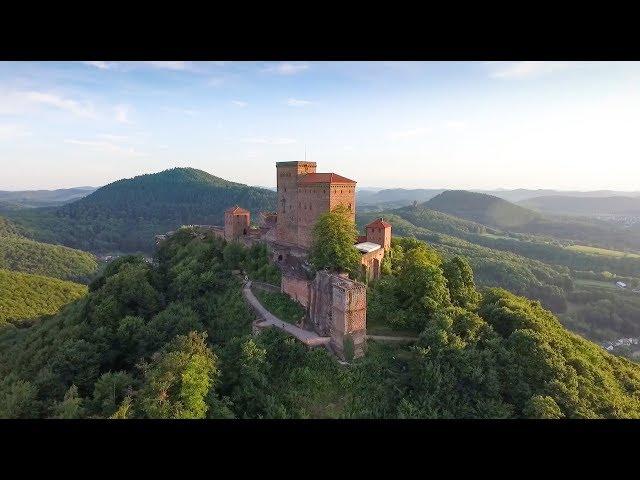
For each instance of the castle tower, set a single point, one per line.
(236, 223)
(319, 193)
(379, 232)
(287, 208)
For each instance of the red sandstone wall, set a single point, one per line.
(236, 225)
(287, 208)
(381, 236)
(372, 262)
(344, 195)
(296, 288)
(313, 200)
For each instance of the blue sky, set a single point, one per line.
(566, 125)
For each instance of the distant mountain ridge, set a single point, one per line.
(496, 212)
(557, 204)
(42, 198)
(406, 196)
(124, 216)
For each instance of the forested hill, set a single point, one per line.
(125, 215)
(7, 228)
(28, 256)
(482, 208)
(173, 340)
(496, 212)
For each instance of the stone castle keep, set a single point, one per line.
(336, 305)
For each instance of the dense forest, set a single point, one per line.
(574, 283)
(125, 215)
(172, 340)
(24, 297)
(28, 256)
(531, 278)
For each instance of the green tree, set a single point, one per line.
(70, 406)
(540, 406)
(332, 245)
(19, 400)
(462, 288)
(179, 380)
(109, 392)
(421, 285)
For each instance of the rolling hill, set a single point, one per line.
(584, 206)
(25, 297)
(125, 215)
(42, 198)
(28, 256)
(482, 208)
(496, 212)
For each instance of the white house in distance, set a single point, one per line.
(621, 284)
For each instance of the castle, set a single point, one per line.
(304, 195)
(336, 305)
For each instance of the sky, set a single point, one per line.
(480, 125)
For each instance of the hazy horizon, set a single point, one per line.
(428, 125)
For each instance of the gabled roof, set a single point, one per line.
(379, 223)
(236, 210)
(324, 178)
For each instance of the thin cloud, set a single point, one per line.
(183, 111)
(108, 147)
(11, 132)
(294, 102)
(239, 103)
(101, 65)
(411, 133)
(286, 68)
(269, 140)
(176, 65)
(517, 70)
(56, 101)
(122, 113)
(113, 138)
(454, 124)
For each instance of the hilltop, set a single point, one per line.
(480, 354)
(495, 212)
(482, 208)
(125, 215)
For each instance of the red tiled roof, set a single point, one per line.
(324, 178)
(379, 223)
(236, 210)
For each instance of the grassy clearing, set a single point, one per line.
(602, 251)
(598, 284)
(281, 305)
(379, 327)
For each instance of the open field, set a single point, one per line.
(602, 251)
(601, 284)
